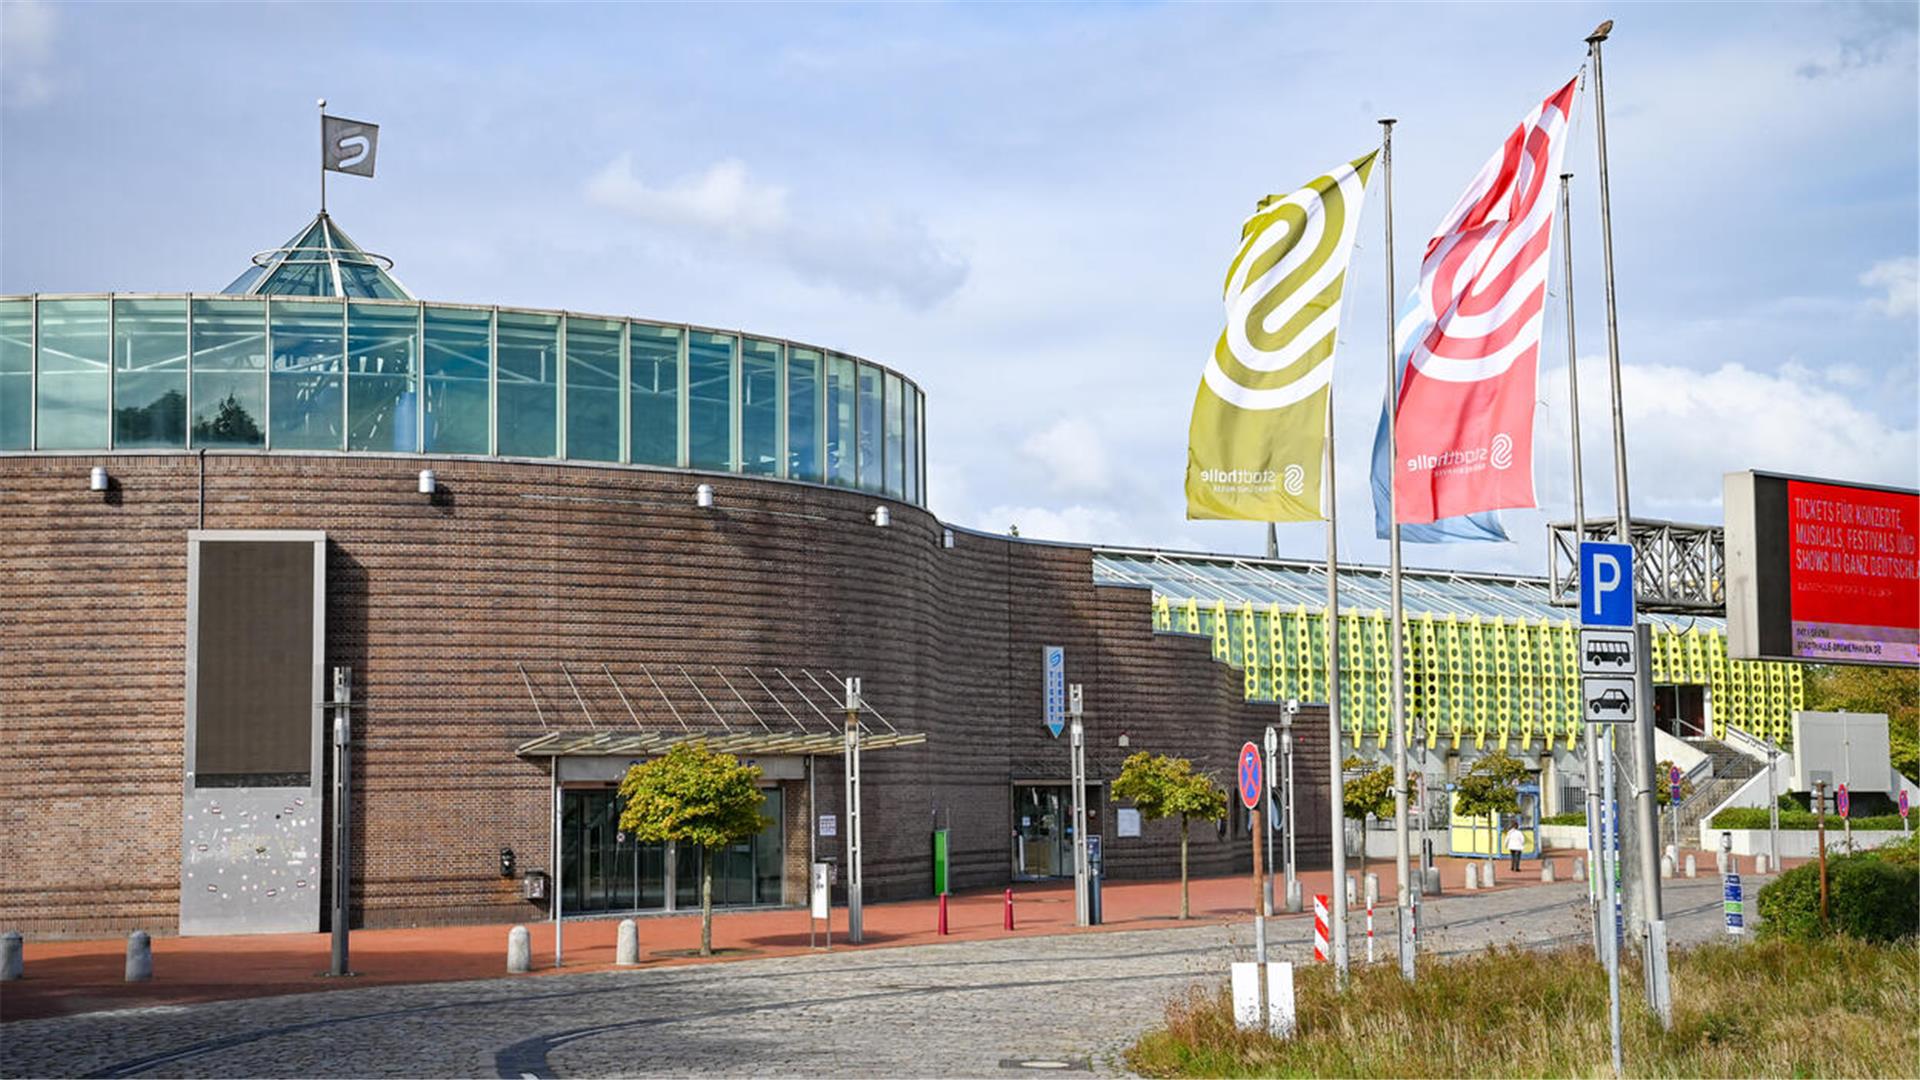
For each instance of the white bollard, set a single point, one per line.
(519, 951)
(1691, 869)
(1486, 873)
(1546, 871)
(627, 952)
(1293, 895)
(1473, 877)
(1759, 864)
(1666, 867)
(1373, 889)
(139, 956)
(1432, 876)
(1579, 868)
(13, 962)
(1353, 891)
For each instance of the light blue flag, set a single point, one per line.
(1470, 527)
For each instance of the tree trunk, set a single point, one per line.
(1183, 866)
(706, 901)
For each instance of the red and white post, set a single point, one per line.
(1320, 947)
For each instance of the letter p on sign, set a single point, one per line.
(1606, 584)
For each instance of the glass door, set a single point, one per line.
(1039, 831)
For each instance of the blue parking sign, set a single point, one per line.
(1606, 584)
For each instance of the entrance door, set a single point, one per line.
(1039, 831)
(602, 868)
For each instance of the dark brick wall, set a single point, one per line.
(438, 604)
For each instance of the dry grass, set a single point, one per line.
(1830, 1009)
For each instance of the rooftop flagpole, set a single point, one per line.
(322, 106)
(1403, 894)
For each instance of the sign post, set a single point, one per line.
(1904, 828)
(1845, 805)
(1609, 661)
(1272, 748)
(1673, 806)
(1252, 783)
(1082, 911)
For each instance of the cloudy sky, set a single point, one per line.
(1030, 208)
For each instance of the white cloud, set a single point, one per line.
(27, 30)
(877, 253)
(1071, 457)
(1901, 279)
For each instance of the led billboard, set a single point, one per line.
(1822, 571)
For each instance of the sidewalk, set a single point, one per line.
(64, 977)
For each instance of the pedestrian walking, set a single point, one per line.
(1516, 843)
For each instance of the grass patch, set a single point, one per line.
(1774, 1008)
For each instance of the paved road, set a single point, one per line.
(966, 1009)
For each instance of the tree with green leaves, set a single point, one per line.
(693, 795)
(1160, 787)
(1491, 788)
(1370, 793)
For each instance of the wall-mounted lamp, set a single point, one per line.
(428, 482)
(946, 538)
(1124, 741)
(97, 479)
(881, 516)
(703, 496)
(506, 862)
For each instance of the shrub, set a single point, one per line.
(1573, 817)
(1871, 895)
(1755, 817)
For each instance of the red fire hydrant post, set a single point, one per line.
(941, 929)
(1009, 918)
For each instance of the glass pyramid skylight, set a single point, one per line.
(319, 261)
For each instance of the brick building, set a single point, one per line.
(633, 533)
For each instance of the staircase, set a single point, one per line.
(1731, 769)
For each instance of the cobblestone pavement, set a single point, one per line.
(965, 1009)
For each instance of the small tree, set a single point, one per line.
(693, 795)
(1161, 786)
(1371, 793)
(1491, 787)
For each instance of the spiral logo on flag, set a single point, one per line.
(1501, 456)
(1283, 294)
(1294, 479)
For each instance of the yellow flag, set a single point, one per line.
(1256, 446)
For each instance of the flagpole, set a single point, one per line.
(1403, 897)
(1336, 781)
(322, 106)
(1580, 535)
(1646, 827)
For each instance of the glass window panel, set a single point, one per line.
(16, 374)
(229, 373)
(383, 406)
(920, 446)
(529, 359)
(457, 361)
(910, 439)
(709, 401)
(896, 428)
(768, 851)
(593, 389)
(871, 410)
(803, 414)
(840, 427)
(760, 407)
(653, 387)
(150, 373)
(304, 406)
(73, 374)
(364, 280)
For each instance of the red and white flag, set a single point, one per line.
(1469, 341)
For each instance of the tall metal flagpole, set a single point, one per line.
(1336, 782)
(1646, 827)
(1403, 895)
(1580, 534)
(322, 106)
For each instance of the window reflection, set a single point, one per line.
(710, 401)
(457, 362)
(871, 428)
(16, 374)
(383, 407)
(529, 361)
(593, 389)
(896, 427)
(306, 410)
(760, 407)
(803, 414)
(653, 393)
(72, 395)
(150, 374)
(229, 373)
(841, 413)
(911, 439)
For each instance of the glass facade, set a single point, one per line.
(227, 372)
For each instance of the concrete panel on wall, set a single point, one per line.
(256, 642)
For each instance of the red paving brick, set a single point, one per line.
(74, 976)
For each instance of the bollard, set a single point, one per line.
(626, 951)
(1690, 870)
(13, 961)
(1432, 876)
(1009, 918)
(1759, 864)
(1293, 895)
(139, 956)
(1373, 889)
(1666, 867)
(1473, 877)
(1486, 872)
(1579, 868)
(1353, 891)
(940, 925)
(519, 951)
(1546, 871)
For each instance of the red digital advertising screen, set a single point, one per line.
(1854, 573)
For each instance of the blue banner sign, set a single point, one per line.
(1054, 663)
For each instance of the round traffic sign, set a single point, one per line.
(1842, 801)
(1903, 802)
(1250, 776)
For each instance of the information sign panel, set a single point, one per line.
(1053, 660)
(1903, 802)
(1607, 652)
(1607, 699)
(1673, 779)
(1732, 905)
